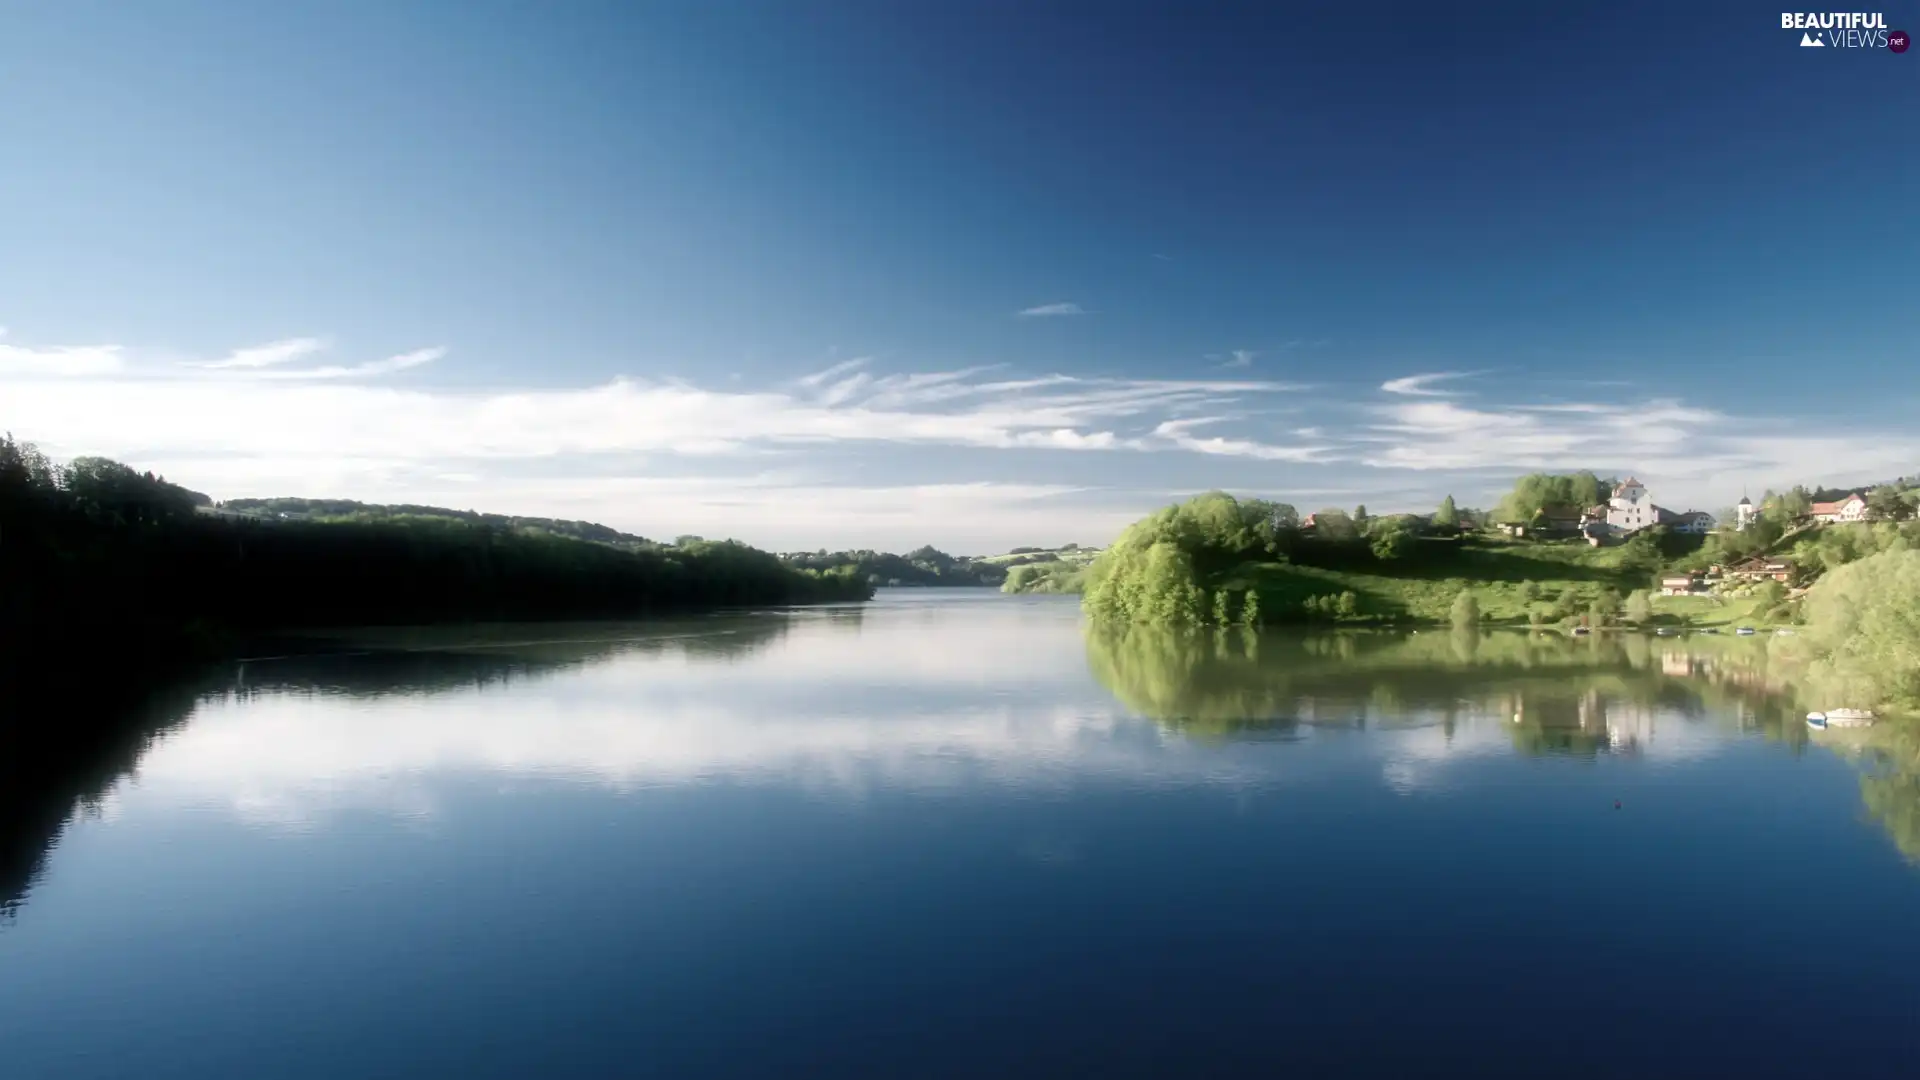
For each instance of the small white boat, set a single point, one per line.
(1745, 631)
(1840, 718)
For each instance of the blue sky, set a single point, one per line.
(760, 269)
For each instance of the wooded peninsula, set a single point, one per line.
(94, 554)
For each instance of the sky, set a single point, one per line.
(878, 274)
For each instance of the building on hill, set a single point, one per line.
(1681, 585)
(1743, 514)
(1693, 521)
(1760, 568)
(1547, 521)
(1851, 508)
(1631, 509)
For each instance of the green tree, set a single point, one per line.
(1568, 603)
(1887, 503)
(1334, 525)
(1639, 607)
(1447, 518)
(1220, 610)
(1466, 609)
(1394, 542)
(1862, 635)
(1250, 609)
(1530, 591)
(1348, 605)
(1362, 521)
(1605, 607)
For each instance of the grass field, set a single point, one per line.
(1509, 579)
(1074, 556)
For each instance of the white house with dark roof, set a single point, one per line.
(1631, 508)
(1693, 521)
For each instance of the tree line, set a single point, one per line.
(97, 552)
(1176, 565)
(922, 566)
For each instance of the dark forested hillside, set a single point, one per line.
(96, 552)
(337, 510)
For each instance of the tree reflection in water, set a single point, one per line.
(1556, 694)
(67, 739)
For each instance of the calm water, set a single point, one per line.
(949, 835)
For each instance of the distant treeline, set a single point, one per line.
(350, 510)
(96, 552)
(921, 566)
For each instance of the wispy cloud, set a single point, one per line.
(614, 449)
(1062, 308)
(371, 369)
(1422, 385)
(332, 421)
(269, 355)
(834, 372)
(1685, 453)
(1179, 433)
(67, 362)
(1240, 358)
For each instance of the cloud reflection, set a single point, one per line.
(909, 695)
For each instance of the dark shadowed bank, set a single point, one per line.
(65, 742)
(96, 557)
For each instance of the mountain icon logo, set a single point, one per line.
(1808, 41)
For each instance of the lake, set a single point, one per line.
(950, 834)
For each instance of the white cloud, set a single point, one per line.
(70, 362)
(798, 456)
(1689, 457)
(1421, 385)
(1063, 308)
(370, 369)
(270, 355)
(1240, 358)
(1177, 433)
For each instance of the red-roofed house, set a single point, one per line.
(1851, 508)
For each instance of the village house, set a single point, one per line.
(1851, 508)
(1681, 585)
(1631, 508)
(1759, 568)
(1693, 521)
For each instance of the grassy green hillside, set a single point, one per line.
(1045, 570)
(1509, 579)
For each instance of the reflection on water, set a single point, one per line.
(1578, 695)
(920, 699)
(860, 811)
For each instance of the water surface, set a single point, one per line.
(950, 834)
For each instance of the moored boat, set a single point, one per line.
(1840, 718)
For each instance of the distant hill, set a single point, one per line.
(925, 566)
(350, 510)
